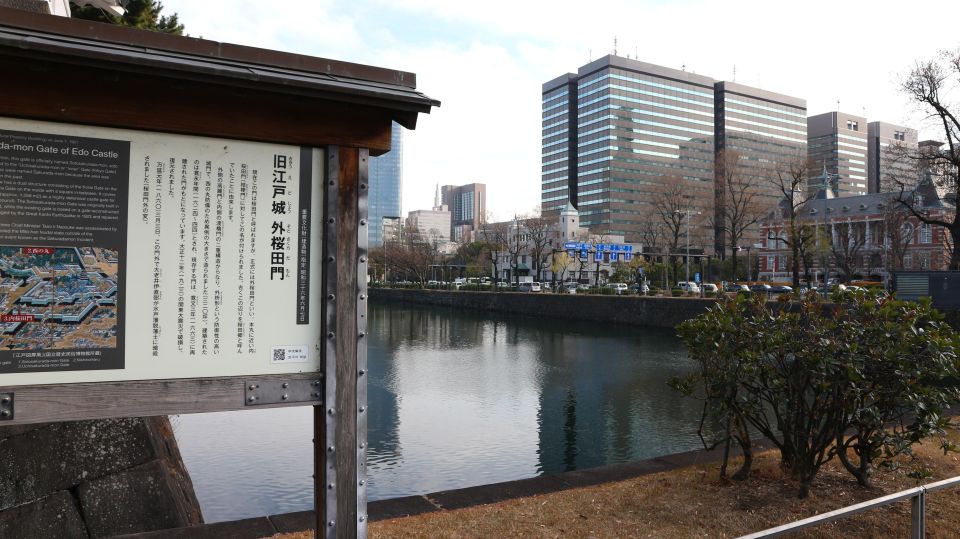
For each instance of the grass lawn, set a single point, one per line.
(692, 502)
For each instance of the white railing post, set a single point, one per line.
(918, 515)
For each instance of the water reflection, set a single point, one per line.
(462, 398)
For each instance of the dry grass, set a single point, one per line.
(692, 502)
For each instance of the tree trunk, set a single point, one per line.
(863, 470)
(733, 256)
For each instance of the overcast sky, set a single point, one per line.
(486, 62)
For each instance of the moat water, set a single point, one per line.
(458, 399)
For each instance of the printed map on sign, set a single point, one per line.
(58, 298)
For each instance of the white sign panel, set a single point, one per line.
(128, 255)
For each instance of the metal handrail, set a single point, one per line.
(917, 496)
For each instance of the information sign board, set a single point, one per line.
(133, 255)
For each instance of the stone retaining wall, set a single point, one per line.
(93, 479)
(637, 310)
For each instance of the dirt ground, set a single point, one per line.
(692, 502)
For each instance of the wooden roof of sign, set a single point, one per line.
(69, 69)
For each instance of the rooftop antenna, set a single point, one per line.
(683, 67)
(838, 105)
(590, 55)
(636, 54)
(734, 72)
(614, 45)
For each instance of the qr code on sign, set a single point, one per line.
(290, 354)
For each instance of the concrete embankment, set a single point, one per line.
(636, 310)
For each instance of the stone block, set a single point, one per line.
(9, 431)
(140, 499)
(53, 516)
(63, 455)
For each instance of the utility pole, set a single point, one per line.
(688, 212)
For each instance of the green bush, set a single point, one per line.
(870, 375)
(676, 292)
(709, 294)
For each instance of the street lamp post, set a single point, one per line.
(687, 212)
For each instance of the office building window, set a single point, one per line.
(852, 126)
(770, 263)
(926, 233)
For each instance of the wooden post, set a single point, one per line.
(340, 425)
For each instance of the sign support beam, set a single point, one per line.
(340, 425)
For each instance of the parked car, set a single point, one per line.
(688, 286)
(529, 287)
(642, 288)
(709, 287)
(781, 289)
(620, 288)
(738, 288)
(569, 288)
(582, 286)
(760, 287)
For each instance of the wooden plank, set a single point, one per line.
(100, 400)
(96, 96)
(345, 442)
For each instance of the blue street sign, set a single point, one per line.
(600, 247)
(696, 277)
(598, 256)
(571, 245)
(613, 257)
(583, 255)
(571, 253)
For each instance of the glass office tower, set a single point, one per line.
(386, 183)
(838, 142)
(619, 132)
(635, 124)
(757, 131)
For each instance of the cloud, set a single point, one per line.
(486, 62)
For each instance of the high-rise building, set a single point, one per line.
(468, 204)
(756, 130)
(619, 130)
(385, 173)
(890, 148)
(837, 141)
(634, 124)
(432, 225)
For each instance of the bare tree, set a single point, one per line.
(495, 237)
(847, 246)
(670, 201)
(538, 231)
(790, 180)
(652, 233)
(739, 206)
(897, 233)
(929, 85)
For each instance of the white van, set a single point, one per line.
(621, 288)
(688, 286)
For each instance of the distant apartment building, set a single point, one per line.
(618, 131)
(467, 204)
(837, 141)
(520, 256)
(432, 225)
(385, 173)
(889, 163)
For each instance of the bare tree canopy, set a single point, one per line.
(739, 205)
(929, 85)
(670, 201)
(790, 181)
